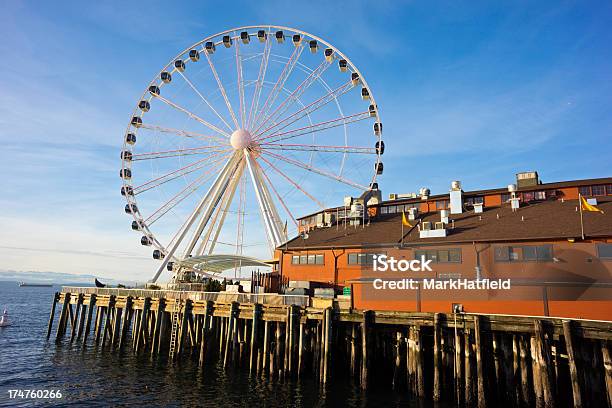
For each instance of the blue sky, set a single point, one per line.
(471, 91)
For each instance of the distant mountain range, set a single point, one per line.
(58, 278)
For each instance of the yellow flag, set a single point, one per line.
(405, 220)
(585, 206)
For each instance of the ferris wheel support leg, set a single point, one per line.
(268, 210)
(192, 218)
(225, 209)
(215, 199)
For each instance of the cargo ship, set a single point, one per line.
(36, 285)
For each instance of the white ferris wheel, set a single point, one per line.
(237, 135)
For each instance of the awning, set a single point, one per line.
(220, 263)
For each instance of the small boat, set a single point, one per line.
(35, 285)
(4, 320)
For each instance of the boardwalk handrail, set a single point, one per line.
(263, 298)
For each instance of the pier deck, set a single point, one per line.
(466, 359)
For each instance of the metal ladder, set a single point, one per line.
(178, 305)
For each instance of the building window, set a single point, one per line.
(598, 190)
(310, 259)
(407, 207)
(609, 189)
(361, 259)
(441, 204)
(540, 195)
(391, 209)
(474, 200)
(384, 210)
(440, 255)
(527, 253)
(505, 197)
(528, 196)
(585, 191)
(604, 251)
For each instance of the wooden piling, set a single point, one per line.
(480, 373)
(365, 348)
(607, 364)
(56, 298)
(458, 368)
(255, 334)
(536, 375)
(116, 327)
(398, 360)
(571, 357)
(470, 396)
(526, 394)
(77, 316)
(543, 354)
(90, 310)
(302, 349)
(61, 327)
(266, 347)
(159, 317)
(206, 335)
(231, 328)
(127, 318)
(437, 386)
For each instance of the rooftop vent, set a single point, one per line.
(527, 179)
(424, 193)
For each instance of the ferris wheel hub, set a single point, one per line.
(241, 139)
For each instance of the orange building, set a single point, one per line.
(557, 257)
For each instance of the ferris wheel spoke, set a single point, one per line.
(312, 77)
(313, 169)
(318, 127)
(190, 168)
(221, 89)
(278, 86)
(192, 86)
(184, 133)
(192, 115)
(240, 84)
(263, 67)
(319, 148)
(178, 152)
(292, 182)
(306, 110)
(278, 196)
(178, 198)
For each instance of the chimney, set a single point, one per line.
(444, 216)
(514, 200)
(456, 198)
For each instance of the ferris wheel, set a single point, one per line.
(239, 133)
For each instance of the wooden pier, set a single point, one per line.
(463, 359)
